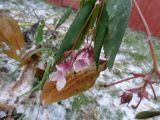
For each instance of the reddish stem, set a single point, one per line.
(154, 93)
(127, 79)
(150, 43)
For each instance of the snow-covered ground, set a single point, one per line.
(98, 103)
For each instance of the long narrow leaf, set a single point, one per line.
(39, 32)
(64, 17)
(89, 25)
(101, 31)
(94, 15)
(75, 29)
(118, 12)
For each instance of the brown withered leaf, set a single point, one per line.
(25, 80)
(11, 37)
(76, 83)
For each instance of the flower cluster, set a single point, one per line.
(141, 91)
(78, 61)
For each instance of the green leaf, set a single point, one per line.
(82, 3)
(147, 114)
(118, 12)
(89, 25)
(39, 32)
(75, 29)
(82, 37)
(101, 32)
(64, 17)
(94, 15)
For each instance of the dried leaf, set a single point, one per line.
(24, 82)
(11, 37)
(64, 17)
(5, 107)
(76, 83)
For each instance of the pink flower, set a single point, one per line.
(79, 65)
(83, 60)
(65, 67)
(60, 78)
(60, 74)
(76, 62)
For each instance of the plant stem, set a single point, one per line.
(127, 79)
(154, 93)
(148, 32)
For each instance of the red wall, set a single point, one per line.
(56, 2)
(150, 10)
(74, 5)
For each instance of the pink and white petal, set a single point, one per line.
(60, 67)
(56, 76)
(65, 67)
(61, 84)
(79, 65)
(86, 57)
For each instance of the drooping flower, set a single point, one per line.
(76, 62)
(83, 60)
(79, 65)
(60, 74)
(126, 97)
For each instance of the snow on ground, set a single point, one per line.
(104, 103)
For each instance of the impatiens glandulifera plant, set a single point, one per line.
(75, 66)
(77, 74)
(102, 24)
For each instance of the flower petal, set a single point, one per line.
(65, 67)
(60, 84)
(79, 65)
(56, 76)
